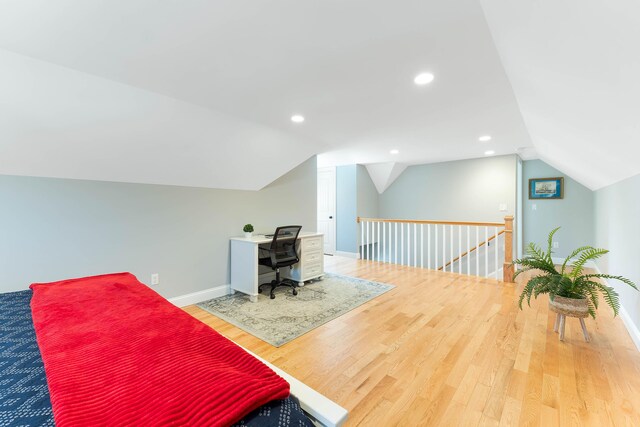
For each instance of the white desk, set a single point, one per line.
(245, 271)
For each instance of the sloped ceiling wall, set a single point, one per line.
(575, 71)
(58, 122)
(383, 174)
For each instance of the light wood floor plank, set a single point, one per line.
(445, 349)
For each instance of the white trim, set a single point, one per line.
(498, 276)
(196, 297)
(634, 333)
(631, 327)
(321, 410)
(355, 255)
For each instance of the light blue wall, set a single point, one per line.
(574, 213)
(53, 229)
(346, 209)
(465, 190)
(617, 224)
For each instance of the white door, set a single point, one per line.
(327, 207)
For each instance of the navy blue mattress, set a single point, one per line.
(24, 395)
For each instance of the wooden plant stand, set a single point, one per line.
(561, 317)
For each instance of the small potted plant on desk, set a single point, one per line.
(248, 230)
(572, 291)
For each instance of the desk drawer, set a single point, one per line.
(312, 271)
(313, 258)
(312, 243)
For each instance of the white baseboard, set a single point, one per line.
(558, 260)
(626, 319)
(631, 327)
(355, 255)
(196, 297)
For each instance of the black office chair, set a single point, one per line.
(282, 253)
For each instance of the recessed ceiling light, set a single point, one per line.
(485, 138)
(423, 79)
(489, 153)
(297, 118)
(394, 151)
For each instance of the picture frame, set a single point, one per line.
(546, 188)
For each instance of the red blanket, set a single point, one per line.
(116, 353)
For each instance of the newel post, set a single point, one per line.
(507, 269)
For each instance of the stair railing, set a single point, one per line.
(472, 248)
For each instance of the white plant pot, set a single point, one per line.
(248, 235)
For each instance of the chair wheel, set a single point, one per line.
(295, 292)
(273, 296)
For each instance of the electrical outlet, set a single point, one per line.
(502, 207)
(556, 245)
(534, 207)
(155, 279)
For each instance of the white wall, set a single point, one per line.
(617, 228)
(52, 229)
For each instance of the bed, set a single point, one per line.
(25, 397)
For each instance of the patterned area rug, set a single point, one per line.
(280, 320)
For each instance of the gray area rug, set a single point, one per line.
(280, 320)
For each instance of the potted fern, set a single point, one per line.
(248, 230)
(572, 291)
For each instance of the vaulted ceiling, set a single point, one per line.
(200, 93)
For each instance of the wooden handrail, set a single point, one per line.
(410, 221)
(471, 250)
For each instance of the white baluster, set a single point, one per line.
(477, 251)
(429, 246)
(415, 245)
(469, 250)
(459, 249)
(361, 239)
(402, 243)
(366, 248)
(451, 249)
(379, 241)
(372, 241)
(435, 267)
(384, 242)
(495, 249)
(444, 247)
(372, 249)
(486, 252)
(408, 244)
(421, 245)
(396, 245)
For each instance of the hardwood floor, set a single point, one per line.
(445, 349)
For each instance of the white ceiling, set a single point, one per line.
(200, 93)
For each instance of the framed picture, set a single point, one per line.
(546, 188)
